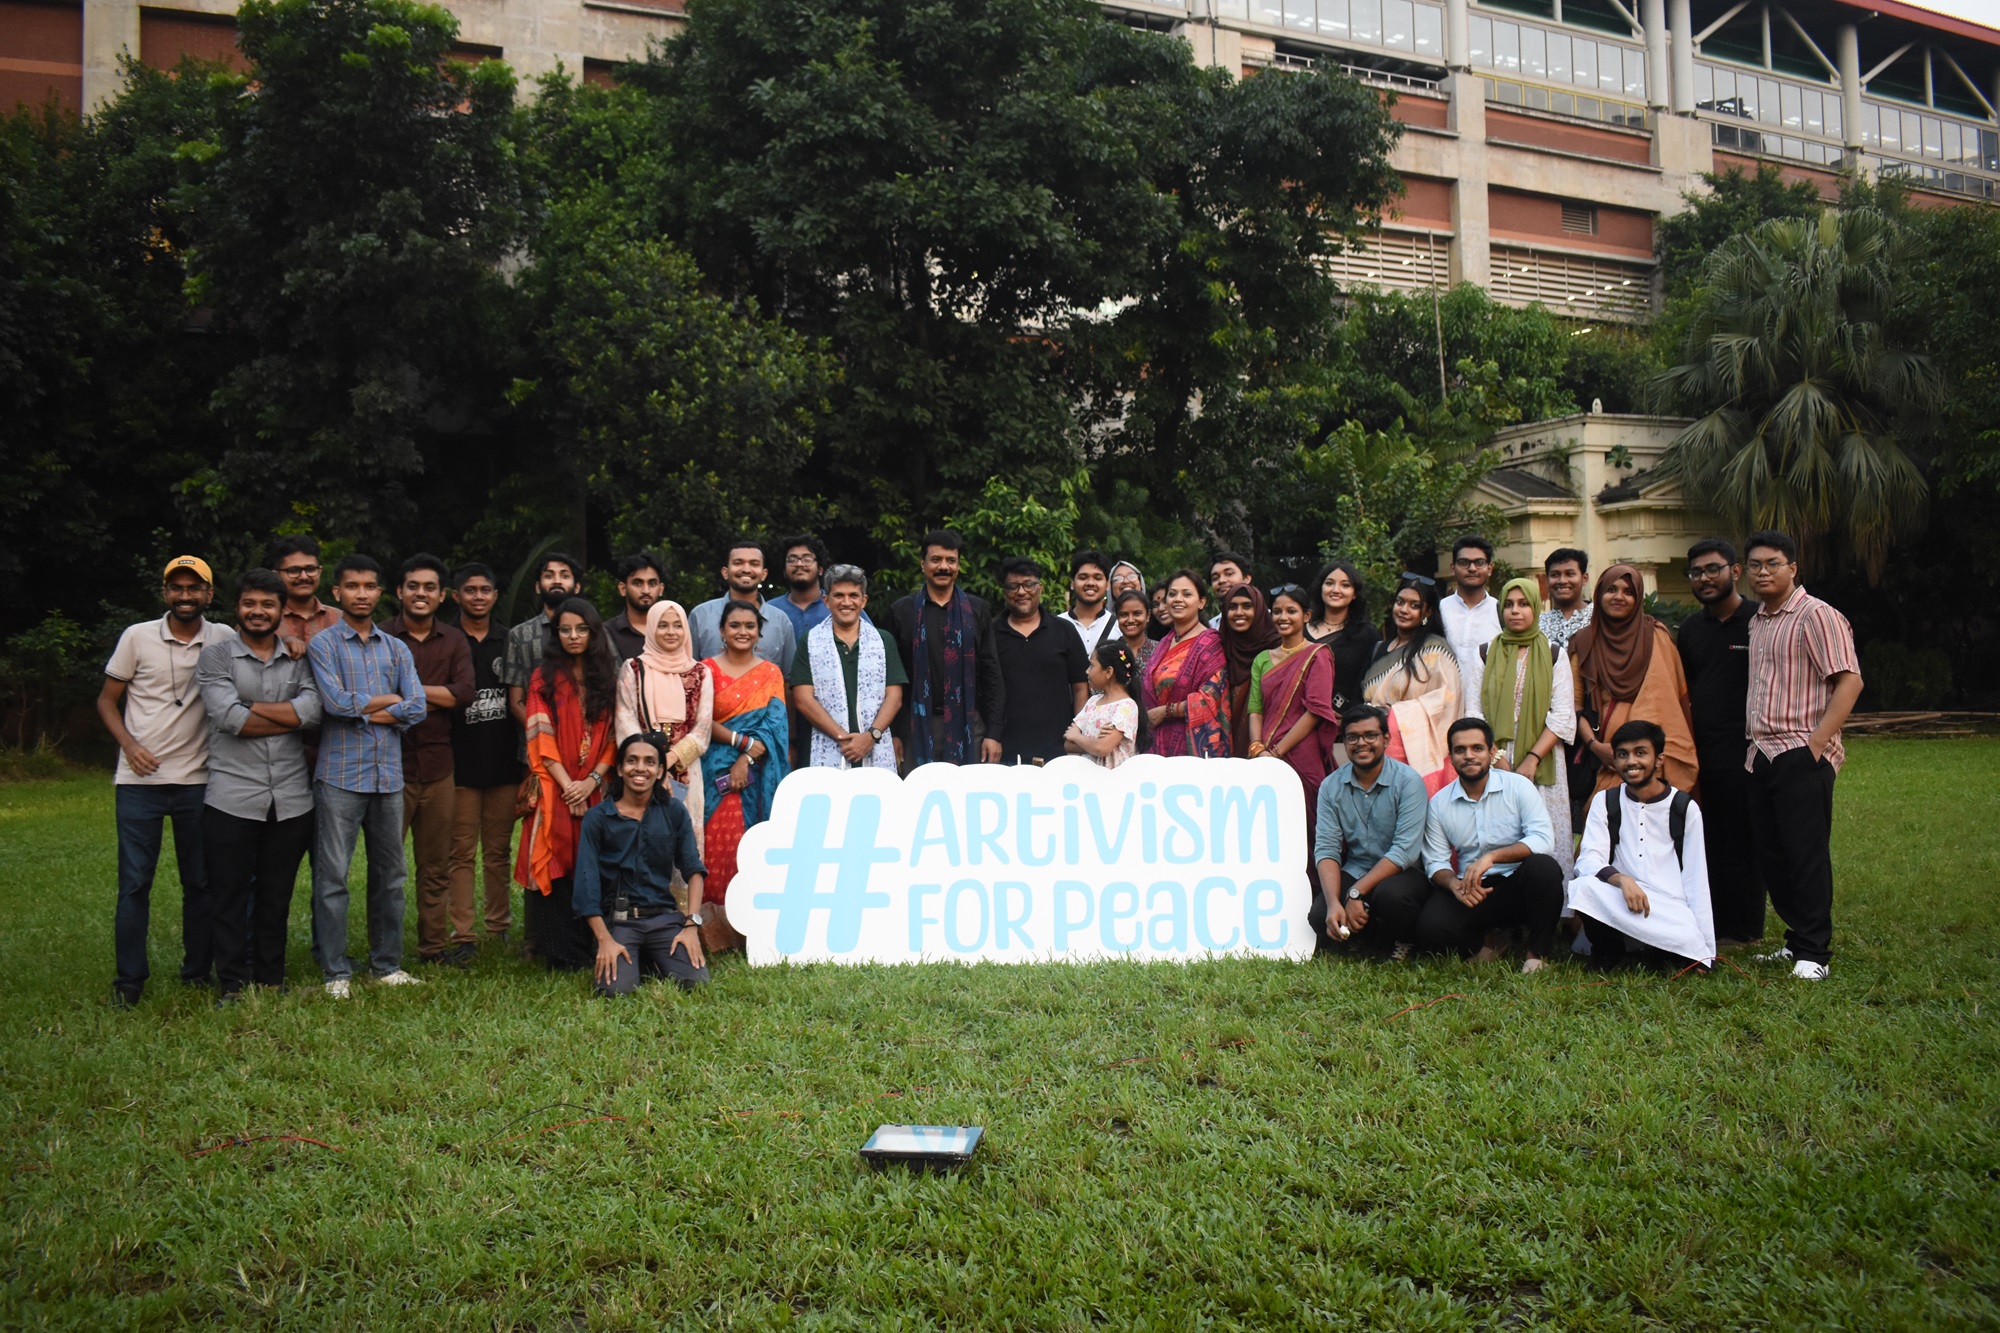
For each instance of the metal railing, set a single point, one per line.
(1559, 102)
(1380, 78)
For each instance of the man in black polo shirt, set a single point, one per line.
(485, 772)
(1715, 654)
(1043, 664)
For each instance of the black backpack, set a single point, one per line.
(1677, 821)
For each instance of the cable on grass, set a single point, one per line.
(245, 1140)
(1412, 1008)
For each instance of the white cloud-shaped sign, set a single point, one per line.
(1157, 859)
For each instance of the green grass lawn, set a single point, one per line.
(1231, 1144)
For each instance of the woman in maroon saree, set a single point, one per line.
(1291, 711)
(1187, 681)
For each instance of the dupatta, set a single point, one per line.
(1303, 683)
(753, 705)
(1194, 671)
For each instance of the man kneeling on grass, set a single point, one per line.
(1641, 883)
(627, 853)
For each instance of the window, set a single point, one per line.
(1586, 62)
(1579, 219)
(1507, 47)
(1366, 16)
(1299, 14)
(1635, 74)
(1398, 23)
(1534, 53)
(1788, 102)
(1479, 32)
(1559, 57)
(1430, 29)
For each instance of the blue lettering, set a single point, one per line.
(1025, 811)
(1112, 913)
(977, 835)
(1245, 806)
(1065, 890)
(850, 897)
(1005, 923)
(1175, 918)
(1108, 850)
(1173, 799)
(938, 804)
(1254, 913)
(1072, 840)
(951, 915)
(1201, 931)
(919, 892)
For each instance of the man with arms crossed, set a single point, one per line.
(1804, 679)
(847, 680)
(1486, 847)
(259, 817)
(369, 693)
(152, 707)
(1370, 842)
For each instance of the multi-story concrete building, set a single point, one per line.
(1545, 137)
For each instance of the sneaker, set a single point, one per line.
(124, 997)
(465, 955)
(1775, 956)
(397, 978)
(1805, 971)
(1400, 953)
(337, 990)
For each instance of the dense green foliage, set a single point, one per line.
(1227, 1145)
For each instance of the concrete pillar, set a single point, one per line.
(1847, 54)
(1680, 28)
(1472, 240)
(110, 29)
(1457, 38)
(1653, 24)
(1214, 46)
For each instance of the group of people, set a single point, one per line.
(1446, 757)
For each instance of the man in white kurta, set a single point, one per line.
(1645, 894)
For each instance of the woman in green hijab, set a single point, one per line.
(1529, 697)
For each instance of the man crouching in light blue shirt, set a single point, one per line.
(1486, 847)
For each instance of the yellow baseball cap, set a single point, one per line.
(189, 562)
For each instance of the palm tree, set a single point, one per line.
(1805, 414)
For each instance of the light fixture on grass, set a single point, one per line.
(925, 1147)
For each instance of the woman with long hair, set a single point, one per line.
(1340, 621)
(664, 689)
(1528, 696)
(746, 756)
(1290, 707)
(1627, 667)
(1246, 631)
(1186, 695)
(1415, 677)
(1135, 620)
(570, 745)
(1112, 727)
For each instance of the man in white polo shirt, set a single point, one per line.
(152, 707)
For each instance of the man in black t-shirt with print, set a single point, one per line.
(484, 744)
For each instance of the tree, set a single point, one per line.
(1806, 411)
(1733, 205)
(359, 195)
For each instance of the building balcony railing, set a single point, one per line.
(1379, 78)
(1557, 102)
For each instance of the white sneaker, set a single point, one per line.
(1775, 956)
(397, 978)
(1805, 971)
(1400, 953)
(337, 990)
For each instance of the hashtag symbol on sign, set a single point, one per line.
(851, 862)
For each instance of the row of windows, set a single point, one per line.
(1792, 106)
(1807, 110)
(1777, 145)
(1398, 25)
(1518, 48)
(1537, 98)
(1915, 134)
(1937, 178)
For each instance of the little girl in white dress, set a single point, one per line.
(1112, 726)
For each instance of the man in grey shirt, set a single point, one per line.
(743, 581)
(258, 817)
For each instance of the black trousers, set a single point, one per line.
(560, 939)
(253, 866)
(1791, 804)
(1530, 895)
(1735, 879)
(1611, 947)
(655, 955)
(1393, 906)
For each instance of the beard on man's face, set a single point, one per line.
(555, 597)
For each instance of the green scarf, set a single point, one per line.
(1496, 694)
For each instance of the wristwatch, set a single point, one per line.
(1353, 892)
(694, 919)
(877, 733)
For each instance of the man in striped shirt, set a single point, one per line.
(369, 695)
(1804, 679)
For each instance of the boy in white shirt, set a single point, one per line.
(1641, 885)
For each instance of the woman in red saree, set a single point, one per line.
(1291, 713)
(745, 759)
(1187, 681)
(570, 746)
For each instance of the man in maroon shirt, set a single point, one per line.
(430, 802)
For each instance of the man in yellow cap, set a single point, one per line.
(152, 707)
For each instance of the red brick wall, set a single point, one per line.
(1590, 140)
(1516, 215)
(41, 54)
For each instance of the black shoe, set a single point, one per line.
(463, 955)
(124, 997)
(229, 999)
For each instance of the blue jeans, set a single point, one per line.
(143, 810)
(341, 815)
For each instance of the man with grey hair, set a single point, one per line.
(847, 680)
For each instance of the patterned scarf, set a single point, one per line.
(961, 692)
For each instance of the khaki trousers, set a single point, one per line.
(484, 824)
(429, 809)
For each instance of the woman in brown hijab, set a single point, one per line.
(1627, 667)
(1246, 631)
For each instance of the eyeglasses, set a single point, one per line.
(1030, 585)
(1767, 566)
(1473, 564)
(802, 559)
(293, 571)
(1708, 571)
(1409, 577)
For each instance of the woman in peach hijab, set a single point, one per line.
(1626, 666)
(665, 689)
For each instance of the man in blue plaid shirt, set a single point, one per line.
(369, 695)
